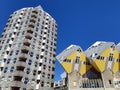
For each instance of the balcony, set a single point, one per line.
(17, 78)
(30, 31)
(24, 47)
(28, 37)
(15, 88)
(15, 85)
(31, 25)
(26, 44)
(35, 12)
(33, 16)
(19, 72)
(26, 40)
(20, 68)
(32, 20)
(24, 51)
(22, 58)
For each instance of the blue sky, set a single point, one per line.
(80, 22)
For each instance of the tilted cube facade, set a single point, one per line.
(94, 69)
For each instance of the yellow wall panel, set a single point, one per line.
(67, 66)
(84, 68)
(115, 67)
(116, 54)
(99, 65)
(88, 67)
(72, 56)
(82, 56)
(95, 66)
(106, 53)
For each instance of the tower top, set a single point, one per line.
(39, 7)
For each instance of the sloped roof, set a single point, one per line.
(63, 55)
(97, 48)
(118, 47)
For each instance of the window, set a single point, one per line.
(28, 70)
(43, 74)
(34, 40)
(50, 48)
(42, 84)
(53, 62)
(74, 84)
(23, 32)
(8, 61)
(10, 35)
(26, 80)
(20, 68)
(49, 68)
(38, 81)
(40, 64)
(50, 61)
(40, 37)
(11, 53)
(17, 78)
(3, 41)
(35, 64)
(34, 72)
(17, 52)
(18, 33)
(5, 36)
(14, 60)
(12, 69)
(46, 46)
(48, 76)
(5, 47)
(44, 66)
(37, 29)
(77, 60)
(8, 40)
(52, 84)
(110, 82)
(45, 59)
(35, 34)
(53, 68)
(39, 72)
(15, 88)
(24, 88)
(19, 45)
(0, 47)
(31, 54)
(30, 62)
(37, 56)
(5, 69)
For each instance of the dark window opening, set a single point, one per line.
(23, 59)
(20, 68)
(110, 82)
(38, 81)
(24, 51)
(26, 44)
(15, 88)
(17, 78)
(52, 84)
(30, 31)
(32, 26)
(28, 37)
(35, 12)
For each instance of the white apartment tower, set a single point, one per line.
(28, 50)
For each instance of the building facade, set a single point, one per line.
(61, 84)
(95, 69)
(28, 50)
